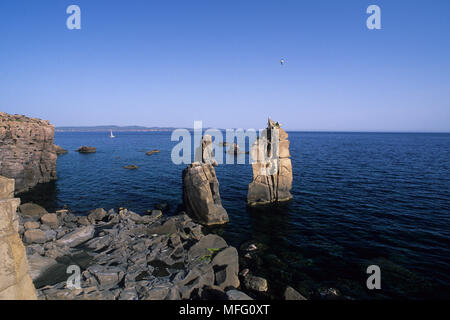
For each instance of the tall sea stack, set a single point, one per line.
(27, 152)
(272, 167)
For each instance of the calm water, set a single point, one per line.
(359, 199)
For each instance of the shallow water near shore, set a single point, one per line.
(359, 199)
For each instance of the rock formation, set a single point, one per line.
(86, 149)
(272, 167)
(15, 280)
(27, 152)
(201, 194)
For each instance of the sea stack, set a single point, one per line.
(272, 167)
(201, 194)
(27, 152)
(15, 279)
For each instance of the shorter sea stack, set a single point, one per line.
(201, 194)
(272, 167)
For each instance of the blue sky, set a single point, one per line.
(168, 63)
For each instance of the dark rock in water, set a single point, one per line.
(272, 167)
(27, 153)
(59, 150)
(86, 149)
(292, 294)
(32, 209)
(131, 167)
(256, 283)
(149, 153)
(201, 194)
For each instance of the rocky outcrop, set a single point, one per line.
(86, 149)
(127, 256)
(27, 152)
(15, 280)
(60, 150)
(201, 195)
(272, 167)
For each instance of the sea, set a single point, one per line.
(359, 199)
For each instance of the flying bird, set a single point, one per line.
(282, 61)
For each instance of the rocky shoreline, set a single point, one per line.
(126, 256)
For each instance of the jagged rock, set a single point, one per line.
(272, 167)
(84, 221)
(292, 294)
(59, 150)
(51, 220)
(256, 283)
(26, 151)
(201, 194)
(237, 295)
(204, 153)
(32, 209)
(86, 149)
(77, 237)
(35, 236)
(226, 268)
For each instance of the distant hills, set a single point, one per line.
(113, 128)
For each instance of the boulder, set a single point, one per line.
(226, 268)
(77, 237)
(27, 152)
(35, 236)
(272, 167)
(51, 220)
(32, 209)
(201, 194)
(256, 283)
(97, 215)
(86, 149)
(31, 225)
(205, 248)
(292, 294)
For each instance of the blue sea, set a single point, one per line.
(360, 199)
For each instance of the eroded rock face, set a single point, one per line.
(201, 194)
(15, 280)
(272, 167)
(27, 152)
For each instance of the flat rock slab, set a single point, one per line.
(77, 237)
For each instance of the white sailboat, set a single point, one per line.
(111, 135)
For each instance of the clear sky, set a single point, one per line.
(168, 63)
